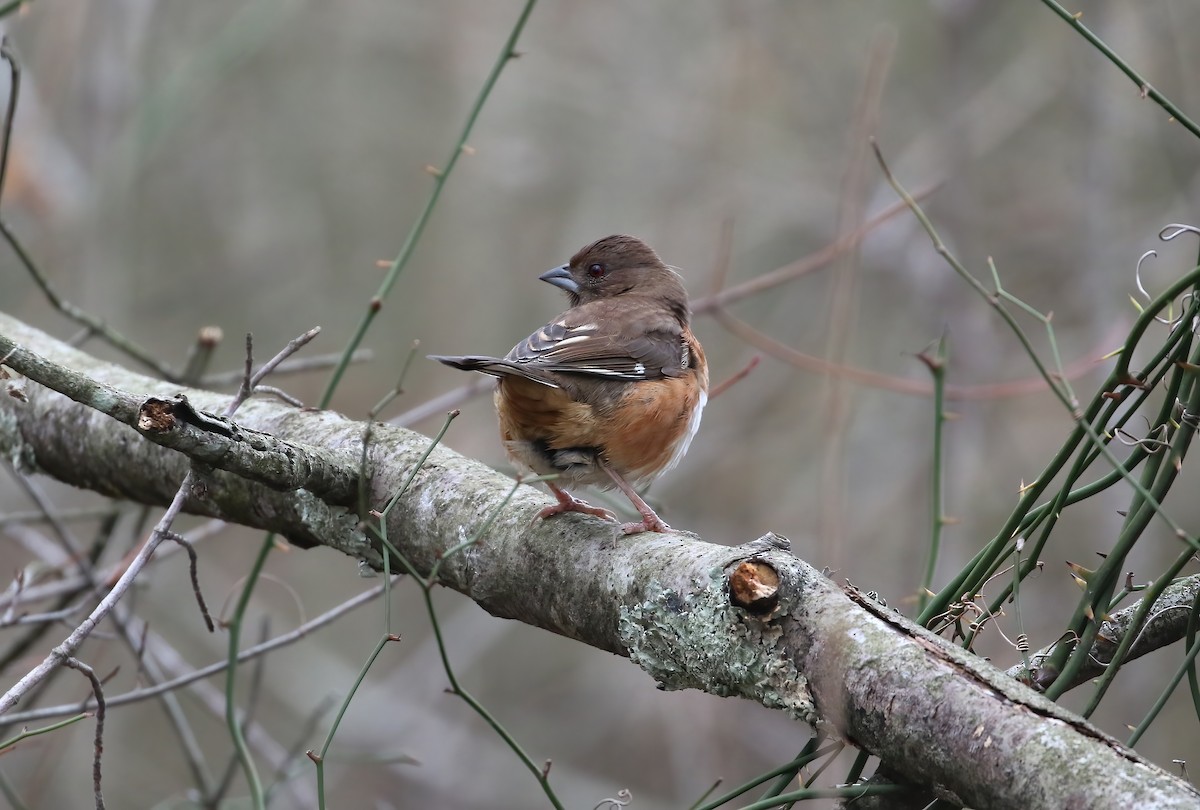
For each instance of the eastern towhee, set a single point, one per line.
(609, 392)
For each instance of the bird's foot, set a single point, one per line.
(649, 523)
(569, 503)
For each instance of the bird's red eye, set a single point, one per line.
(596, 270)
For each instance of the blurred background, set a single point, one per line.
(247, 164)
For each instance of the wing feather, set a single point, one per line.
(637, 342)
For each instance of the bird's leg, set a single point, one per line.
(569, 503)
(651, 522)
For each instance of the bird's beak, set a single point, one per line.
(561, 277)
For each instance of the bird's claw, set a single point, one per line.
(654, 524)
(573, 504)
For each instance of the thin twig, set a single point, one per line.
(248, 654)
(294, 345)
(215, 798)
(10, 113)
(836, 411)
(285, 769)
(64, 514)
(51, 617)
(200, 355)
(246, 386)
(179, 539)
(900, 385)
(280, 394)
(806, 264)
(150, 670)
(9, 744)
(66, 538)
(450, 400)
(1144, 87)
(427, 583)
(71, 584)
(294, 365)
(98, 745)
(735, 378)
(935, 361)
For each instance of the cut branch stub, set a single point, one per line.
(156, 416)
(754, 587)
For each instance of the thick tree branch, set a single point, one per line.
(751, 621)
(1166, 624)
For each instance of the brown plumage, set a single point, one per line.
(610, 392)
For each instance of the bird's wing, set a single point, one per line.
(635, 342)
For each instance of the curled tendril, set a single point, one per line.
(624, 799)
(1192, 420)
(1155, 440)
(1168, 233)
(1176, 229)
(1137, 271)
(1137, 277)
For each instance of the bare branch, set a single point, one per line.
(1166, 625)
(192, 569)
(295, 365)
(98, 745)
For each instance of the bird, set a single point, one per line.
(608, 393)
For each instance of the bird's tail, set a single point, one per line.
(488, 365)
(495, 367)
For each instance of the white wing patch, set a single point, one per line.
(608, 372)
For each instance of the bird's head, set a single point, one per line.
(619, 265)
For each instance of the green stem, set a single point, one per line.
(457, 689)
(1144, 86)
(937, 368)
(439, 182)
(26, 734)
(1023, 643)
(809, 753)
(856, 769)
(319, 759)
(427, 583)
(257, 799)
